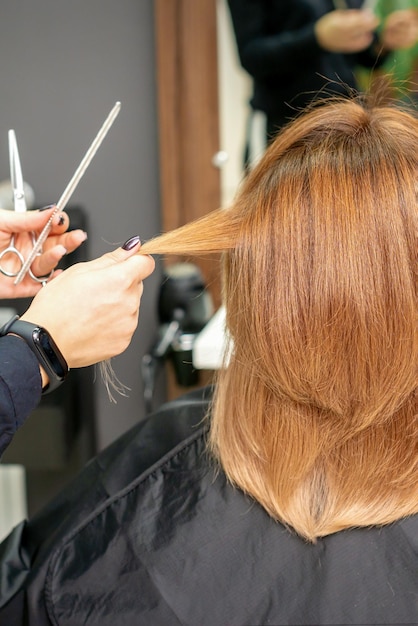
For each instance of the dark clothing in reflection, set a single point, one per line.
(278, 48)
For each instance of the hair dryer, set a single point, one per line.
(184, 308)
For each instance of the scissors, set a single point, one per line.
(19, 202)
(85, 162)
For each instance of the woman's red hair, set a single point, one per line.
(315, 415)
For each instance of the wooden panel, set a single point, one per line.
(199, 108)
(187, 80)
(167, 36)
(186, 40)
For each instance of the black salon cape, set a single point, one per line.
(151, 534)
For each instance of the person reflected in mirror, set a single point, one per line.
(297, 51)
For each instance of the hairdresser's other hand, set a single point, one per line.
(346, 31)
(91, 309)
(400, 30)
(58, 243)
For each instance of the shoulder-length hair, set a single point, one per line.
(315, 415)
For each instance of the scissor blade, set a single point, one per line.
(69, 189)
(16, 175)
(88, 157)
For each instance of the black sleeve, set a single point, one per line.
(20, 386)
(267, 52)
(264, 55)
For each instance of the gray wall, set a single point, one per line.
(64, 64)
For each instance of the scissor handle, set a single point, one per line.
(40, 279)
(11, 249)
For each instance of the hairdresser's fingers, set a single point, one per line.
(133, 268)
(30, 224)
(400, 30)
(13, 222)
(345, 30)
(46, 262)
(35, 221)
(60, 222)
(92, 308)
(25, 289)
(70, 240)
(129, 250)
(54, 249)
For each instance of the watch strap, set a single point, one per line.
(43, 347)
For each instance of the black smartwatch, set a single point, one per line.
(43, 347)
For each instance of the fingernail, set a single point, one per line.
(45, 208)
(61, 220)
(131, 243)
(81, 235)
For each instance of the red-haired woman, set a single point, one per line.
(290, 496)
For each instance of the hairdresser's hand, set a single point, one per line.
(58, 243)
(91, 309)
(346, 31)
(400, 30)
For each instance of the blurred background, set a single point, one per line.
(170, 156)
(64, 66)
(174, 153)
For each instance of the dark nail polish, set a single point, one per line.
(45, 208)
(61, 220)
(131, 243)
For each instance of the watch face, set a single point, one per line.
(45, 343)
